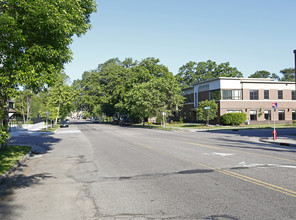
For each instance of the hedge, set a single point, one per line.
(233, 118)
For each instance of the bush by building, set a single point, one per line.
(233, 118)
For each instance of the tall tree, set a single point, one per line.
(35, 41)
(288, 74)
(260, 74)
(193, 72)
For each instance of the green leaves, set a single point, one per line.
(35, 39)
(193, 72)
(202, 110)
(141, 89)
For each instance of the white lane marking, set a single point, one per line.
(244, 164)
(222, 154)
(219, 154)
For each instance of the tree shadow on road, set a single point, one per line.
(9, 210)
(43, 140)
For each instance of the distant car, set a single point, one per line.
(115, 121)
(64, 124)
(96, 120)
(125, 121)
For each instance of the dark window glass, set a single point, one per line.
(293, 95)
(266, 94)
(215, 95)
(280, 94)
(253, 115)
(227, 94)
(281, 115)
(10, 104)
(231, 94)
(253, 94)
(293, 115)
(267, 115)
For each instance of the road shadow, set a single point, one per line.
(45, 141)
(8, 210)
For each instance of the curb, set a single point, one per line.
(3, 177)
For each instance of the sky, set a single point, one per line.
(251, 35)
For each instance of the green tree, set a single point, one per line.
(193, 72)
(58, 100)
(207, 114)
(288, 74)
(260, 74)
(35, 41)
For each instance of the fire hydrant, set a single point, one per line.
(274, 133)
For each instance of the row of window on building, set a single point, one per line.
(267, 114)
(237, 94)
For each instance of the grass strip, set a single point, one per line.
(11, 155)
(54, 128)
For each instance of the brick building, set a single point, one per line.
(249, 95)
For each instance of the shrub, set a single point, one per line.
(233, 118)
(4, 135)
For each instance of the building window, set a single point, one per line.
(267, 115)
(293, 95)
(280, 94)
(293, 115)
(10, 105)
(253, 115)
(215, 95)
(281, 115)
(253, 94)
(234, 111)
(231, 94)
(266, 94)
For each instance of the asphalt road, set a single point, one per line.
(98, 171)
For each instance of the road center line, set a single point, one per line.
(229, 173)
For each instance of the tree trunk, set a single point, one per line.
(56, 120)
(29, 101)
(23, 111)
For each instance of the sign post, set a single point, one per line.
(207, 108)
(274, 106)
(163, 117)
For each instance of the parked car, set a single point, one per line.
(64, 124)
(125, 121)
(115, 121)
(96, 120)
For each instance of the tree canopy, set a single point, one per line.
(140, 89)
(288, 74)
(193, 72)
(35, 41)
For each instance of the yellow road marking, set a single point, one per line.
(240, 151)
(229, 173)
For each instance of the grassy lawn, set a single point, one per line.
(213, 127)
(51, 129)
(10, 156)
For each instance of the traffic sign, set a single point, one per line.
(274, 105)
(207, 107)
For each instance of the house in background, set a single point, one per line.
(11, 111)
(252, 96)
